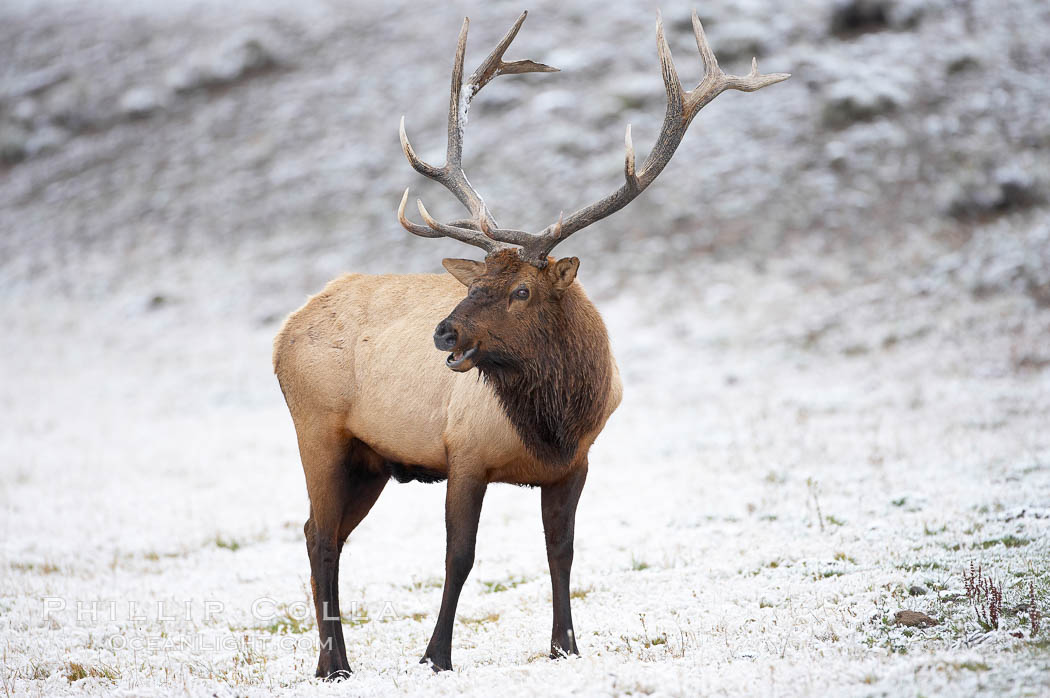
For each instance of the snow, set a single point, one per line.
(836, 389)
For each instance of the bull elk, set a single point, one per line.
(369, 401)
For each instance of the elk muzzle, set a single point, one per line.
(448, 338)
(445, 336)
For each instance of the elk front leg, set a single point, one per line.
(559, 519)
(462, 511)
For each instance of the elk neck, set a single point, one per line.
(556, 394)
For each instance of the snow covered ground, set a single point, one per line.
(832, 316)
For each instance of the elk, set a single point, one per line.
(370, 402)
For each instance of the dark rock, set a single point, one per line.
(850, 101)
(157, 301)
(1007, 189)
(243, 55)
(914, 619)
(739, 41)
(13, 143)
(1039, 291)
(852, 17)
(962, 62)
(72, 106)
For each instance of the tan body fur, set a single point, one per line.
(358, 359)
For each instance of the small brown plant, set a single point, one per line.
(985, 596)
(1033, 612)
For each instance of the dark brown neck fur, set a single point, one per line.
(556, 395)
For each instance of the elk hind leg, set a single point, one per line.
(343, 485)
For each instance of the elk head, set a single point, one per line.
(518, 290)
(509, 305)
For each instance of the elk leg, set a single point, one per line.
(323, 548)
(342, 489)
(559, 519)
(462, 510)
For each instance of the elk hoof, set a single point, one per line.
(562, 654)
(437, 664)
(333, 670)
(561, 651)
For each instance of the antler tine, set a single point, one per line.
(494, 64)
(434, 229)
(682, 107)
(471, 237)
(715, 81)
(414, 228)
(417, 164)
(457, 110)
(672, 85)
(451, 175)
(707, 56)
(628, 160)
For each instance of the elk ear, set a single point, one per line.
(564, 273)
(465, 270)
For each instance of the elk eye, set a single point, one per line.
(522, 294)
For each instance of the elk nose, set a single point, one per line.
(445, 336)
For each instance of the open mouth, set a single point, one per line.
(458, 358)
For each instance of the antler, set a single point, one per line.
(474, 230)
(682, 107)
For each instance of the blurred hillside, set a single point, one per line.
(831, 316)
(143, 144)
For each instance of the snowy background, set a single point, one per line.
(831, 312)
